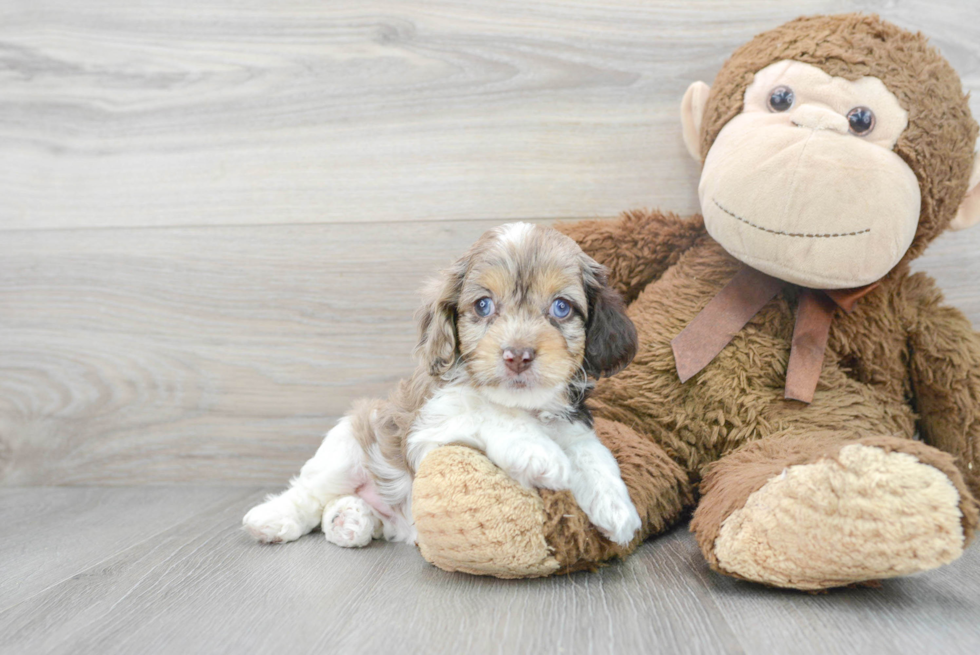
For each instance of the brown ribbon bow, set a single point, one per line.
(741, 299)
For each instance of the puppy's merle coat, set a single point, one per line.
(509, 336)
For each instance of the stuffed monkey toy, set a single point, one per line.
(813, 402)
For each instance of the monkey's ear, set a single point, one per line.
(968, 214)
(692, 112)
(436, 318)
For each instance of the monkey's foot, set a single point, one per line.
(862, 513)
(472, 518)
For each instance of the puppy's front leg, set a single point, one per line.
(599, 490)
(530, 457)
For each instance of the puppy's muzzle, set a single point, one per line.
(518, 360)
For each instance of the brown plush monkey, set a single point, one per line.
(834, 150)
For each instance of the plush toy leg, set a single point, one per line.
(472, 517)
(820, 510)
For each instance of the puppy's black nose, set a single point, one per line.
(518, 359)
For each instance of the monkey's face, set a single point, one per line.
(803, 184)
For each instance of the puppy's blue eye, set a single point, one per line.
(484, 307)
(560, 308)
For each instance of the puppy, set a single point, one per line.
(508, 338)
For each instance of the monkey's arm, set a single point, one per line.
(945, 370)
(637, 247)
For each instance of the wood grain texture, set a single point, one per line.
(204, 354)
(226, 112)
(214, 220)
(204, 587)
(141, 354)
(51, 534)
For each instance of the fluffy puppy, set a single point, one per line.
(508, 338)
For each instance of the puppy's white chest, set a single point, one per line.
(459, 414)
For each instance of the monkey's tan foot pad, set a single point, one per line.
(472, 517)
(867, 514)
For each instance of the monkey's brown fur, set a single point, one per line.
(902, 362)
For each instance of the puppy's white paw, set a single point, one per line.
(349, 522)
(272, 522)
(539, 463)
(613, 513)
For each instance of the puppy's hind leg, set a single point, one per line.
(329, 474)
(350, 522)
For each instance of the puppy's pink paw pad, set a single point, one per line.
(349, 522)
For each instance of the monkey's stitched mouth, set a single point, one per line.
(788, 234)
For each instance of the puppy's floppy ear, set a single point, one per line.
(436, 318)
(610, 336)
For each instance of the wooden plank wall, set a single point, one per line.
(214, 215)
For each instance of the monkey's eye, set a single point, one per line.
(484, 307)
(861, 120)
(560, 308)
(781, 98)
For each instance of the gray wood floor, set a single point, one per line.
(214, 218)
(168, 570)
